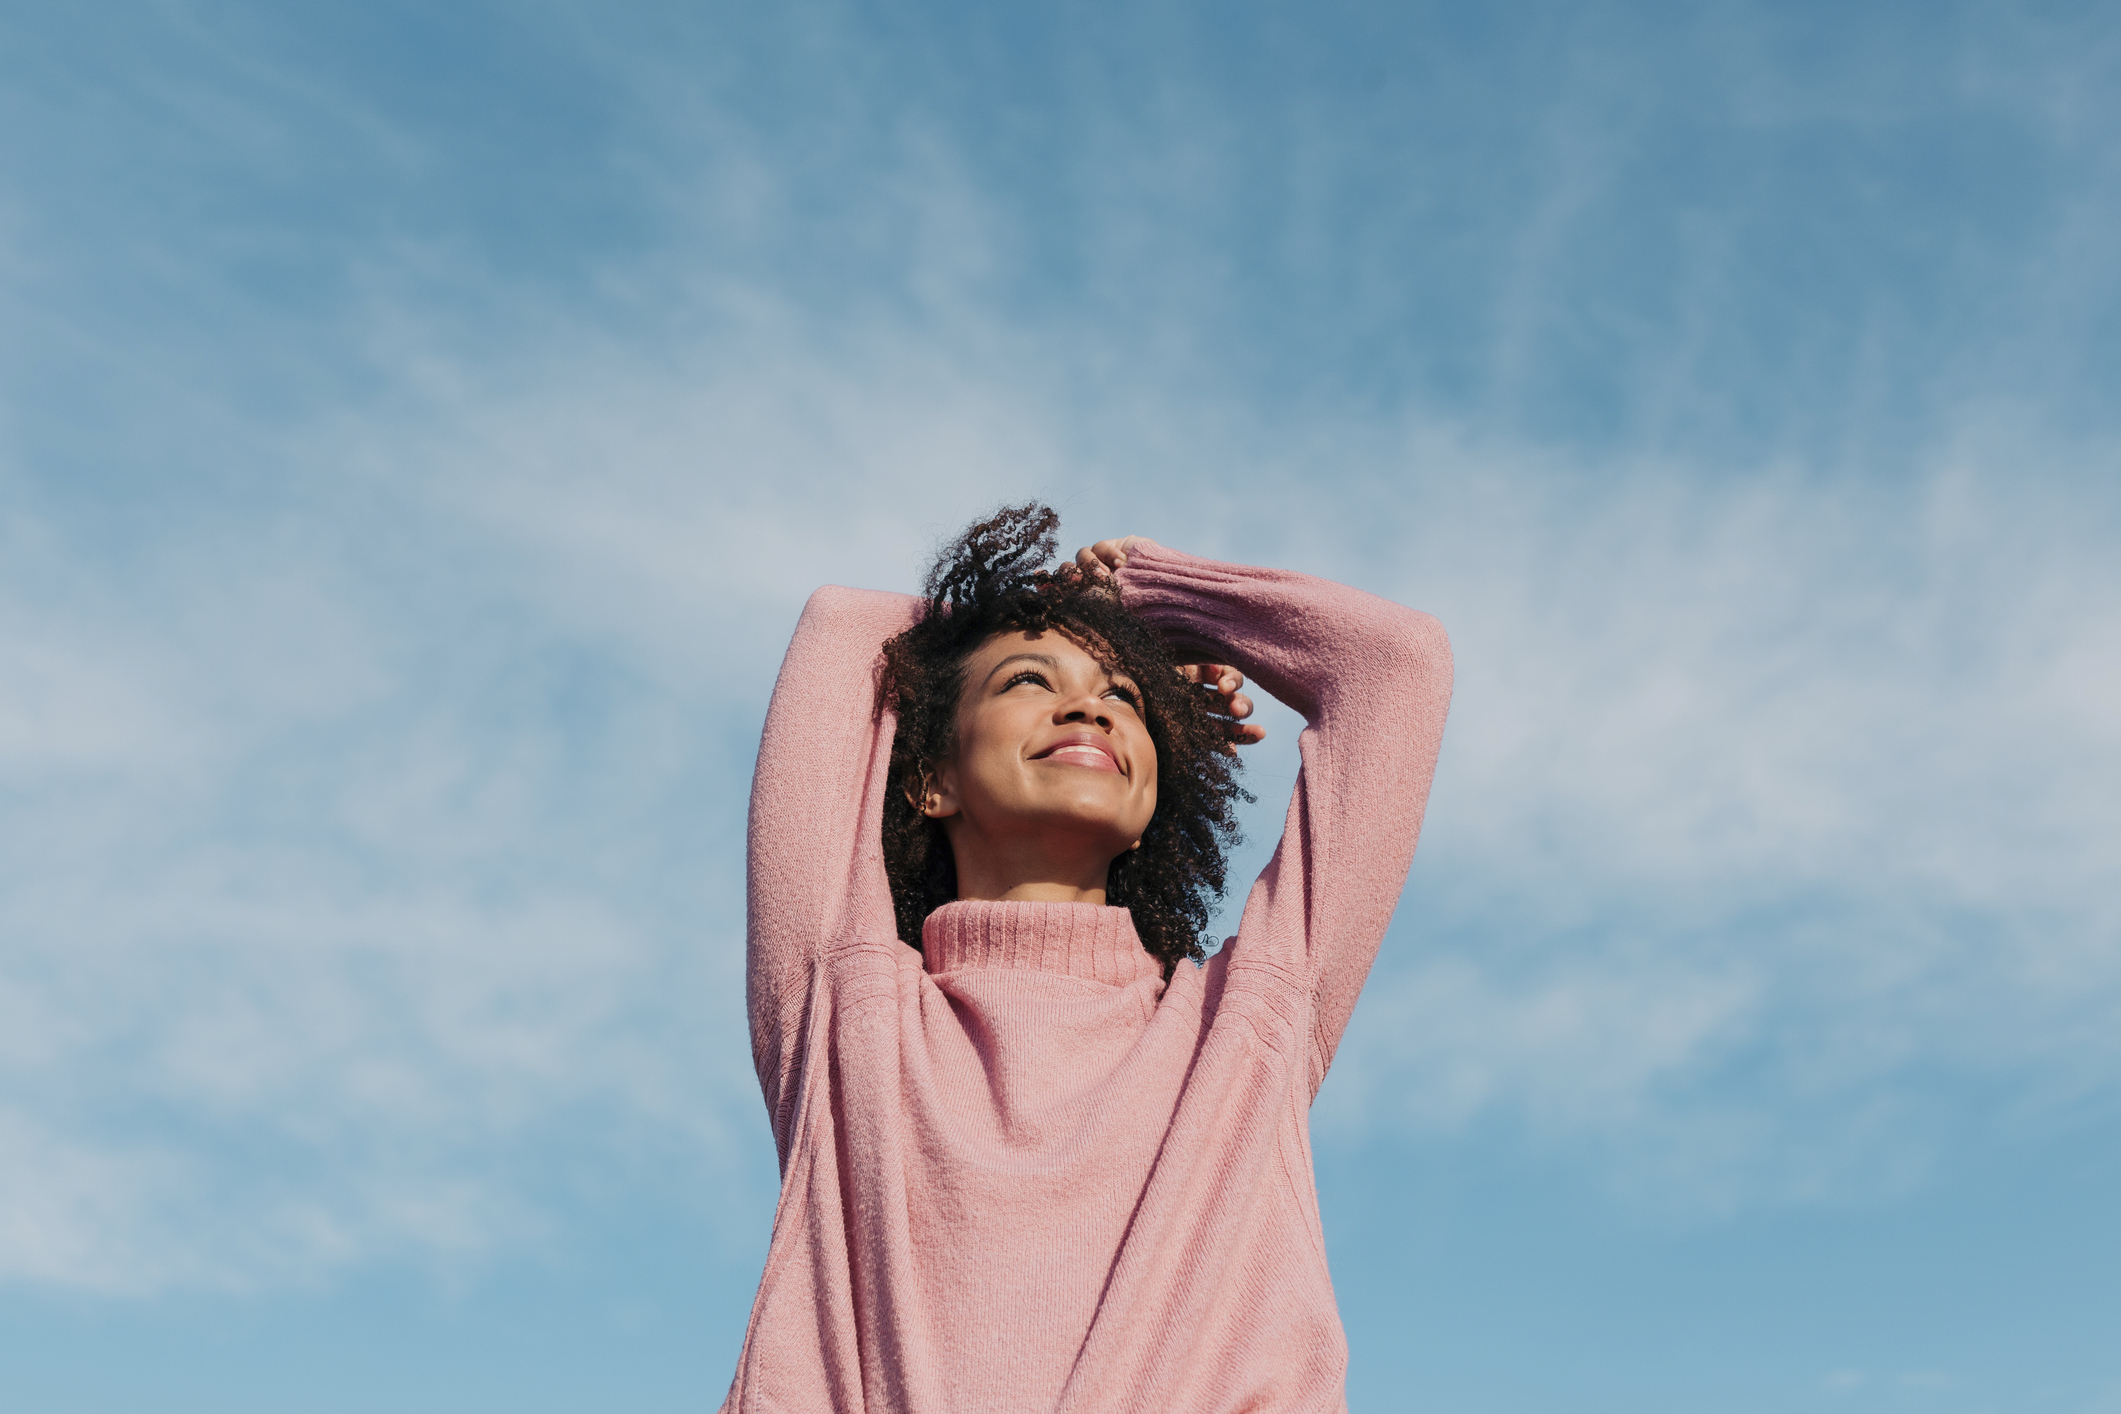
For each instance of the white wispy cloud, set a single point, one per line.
(1766, 805)
(324, 923)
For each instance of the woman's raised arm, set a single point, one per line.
(1373, 682)
(815, 757)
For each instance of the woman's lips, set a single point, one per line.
(1081, 753)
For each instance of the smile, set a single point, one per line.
(1079, 752)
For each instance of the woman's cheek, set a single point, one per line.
(1145, 806)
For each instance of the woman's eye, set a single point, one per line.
(1124, 694)
(1026, 676)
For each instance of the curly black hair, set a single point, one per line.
(992, 580)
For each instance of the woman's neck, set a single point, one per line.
(1028, 871)
(1035, 891)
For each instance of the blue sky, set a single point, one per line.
(419, 428)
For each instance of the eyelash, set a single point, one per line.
(1124, 694)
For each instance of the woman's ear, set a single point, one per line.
(934, 794)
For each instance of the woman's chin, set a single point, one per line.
(1076, 824)
(1109, 806)
(1082, 810)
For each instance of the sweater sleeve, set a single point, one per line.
(1373, 681)
(807, 806)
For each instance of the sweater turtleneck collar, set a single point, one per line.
(1073, 939)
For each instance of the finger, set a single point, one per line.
(1239, 705)
(1225, 678)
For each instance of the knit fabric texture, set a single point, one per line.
(1020, 1171)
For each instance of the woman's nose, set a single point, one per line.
(1093, 711)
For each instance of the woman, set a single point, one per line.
(1035, 1155)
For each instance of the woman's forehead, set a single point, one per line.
(1058, 644)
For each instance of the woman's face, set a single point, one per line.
(1052, 753)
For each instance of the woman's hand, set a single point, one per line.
(1106, 557)
(1100, 560)
(1233, 706)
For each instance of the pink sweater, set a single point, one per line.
(1019, 1171)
